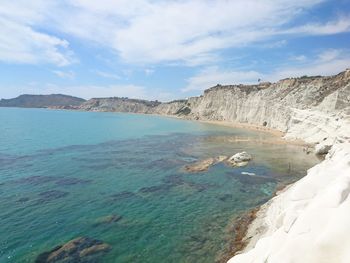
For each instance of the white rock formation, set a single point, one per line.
(240, 157)
(314, 109)
(310, 221)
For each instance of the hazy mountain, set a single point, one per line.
(42, 101)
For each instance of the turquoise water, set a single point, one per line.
(62, 171)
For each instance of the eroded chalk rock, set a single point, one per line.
(322, 148)
(239, 159)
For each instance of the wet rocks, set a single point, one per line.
(322, 148)
(239, 159)
(204, 165)
(81, 249)
(236, 160)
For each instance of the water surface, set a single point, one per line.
(62, 171)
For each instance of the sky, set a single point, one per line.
(166, 49)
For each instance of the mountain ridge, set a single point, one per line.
(42, 101)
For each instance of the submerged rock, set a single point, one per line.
(23, 200)
(71, 181)
(51, 195)
(108, 219)
(239, 159)
(155, 188)
(204, 165)
(81, 249)
(36, 180)
(122, 195)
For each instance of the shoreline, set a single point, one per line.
(303, 216)
(278, 136)
(248, 227)
(250, 220)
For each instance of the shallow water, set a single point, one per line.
(62, 171)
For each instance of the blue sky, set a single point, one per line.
(166, 49)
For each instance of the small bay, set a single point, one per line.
(119, 178)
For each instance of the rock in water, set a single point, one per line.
(204, 165)
(239, 159)
(108, 220)
(322, 148)
(81, 249)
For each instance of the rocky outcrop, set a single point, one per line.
(309, 221)
(119, 105)
(312, 216)
(239, 159)
(203, 165)
(314, 109)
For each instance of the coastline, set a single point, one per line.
(256, 229)
(278, 137)
(304, 216)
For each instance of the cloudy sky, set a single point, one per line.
(166, 49)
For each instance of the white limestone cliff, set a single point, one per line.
(315, 109)
(310, 221)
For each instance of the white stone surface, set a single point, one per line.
(310, 221)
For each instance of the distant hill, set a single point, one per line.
(42, 101)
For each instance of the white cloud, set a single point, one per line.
(325, 63)
(64, 74)
(149, 71)
(107, 75)
(299, 58)
(213, 75)
(341, 24)
(148, 32)
(21, 44)
(276, 44)
(145, 31)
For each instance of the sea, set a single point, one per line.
(64, 174)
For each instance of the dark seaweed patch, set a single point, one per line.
(122, 195)
(23, 200)
(225, 197)
(174, 179)
(71, 181)
(51, 195)
(36, 180)
(82, 249)
(155, 188)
